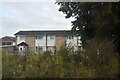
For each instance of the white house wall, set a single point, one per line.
(50, 42)
(21, 47)
(40, 42)
(13, 43)
(79, 41)
(71, 42)
(75, 41)
(19, 40)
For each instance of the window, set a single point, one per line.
(52, 37)
(70, 37)
(3, 43)
(51, 48)
(20, 49)
(39, 49)
(6, 43)
(39, 37)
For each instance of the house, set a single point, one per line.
(53, 40)
(7, 43)
(22, 46)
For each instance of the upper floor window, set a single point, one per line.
(70, 37)
(39, 37)
(52, 37)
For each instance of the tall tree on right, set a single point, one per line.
(94, 20)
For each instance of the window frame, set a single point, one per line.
(39, 37)
(39, 49)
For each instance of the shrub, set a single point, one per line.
(65, 64)
(99, 55)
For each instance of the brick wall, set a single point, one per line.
(59, 42)
(30, 40)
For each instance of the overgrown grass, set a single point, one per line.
(65, 64)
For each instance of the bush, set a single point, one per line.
(101, 57)
(11, 65)
(65, 64)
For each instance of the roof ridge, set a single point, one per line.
(34, 32)
(45, 30)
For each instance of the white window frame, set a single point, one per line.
(39, 37)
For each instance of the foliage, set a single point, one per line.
(94, 20)
(98, 25)
(11, 65)
(65, 64)
(99, 55)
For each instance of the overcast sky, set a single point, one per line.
(18, 16)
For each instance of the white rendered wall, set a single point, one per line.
(71, 42)
(19, 40)
(21, 47)
(13, 43)
(41, 42)
(79, 41)
(50, 42)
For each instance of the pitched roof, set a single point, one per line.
(22, 44)
(7, 39)
(49, 32)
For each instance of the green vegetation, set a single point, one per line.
(64, 64)
(98, 26)
(99, 20)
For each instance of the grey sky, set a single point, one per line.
(18, 16)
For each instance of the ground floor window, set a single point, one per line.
(39, 49)
(51, 48)
(6, 43)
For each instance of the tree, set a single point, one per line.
(94, 20)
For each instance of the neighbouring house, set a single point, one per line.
(52, 40)
(22, 46)
(7, 43)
